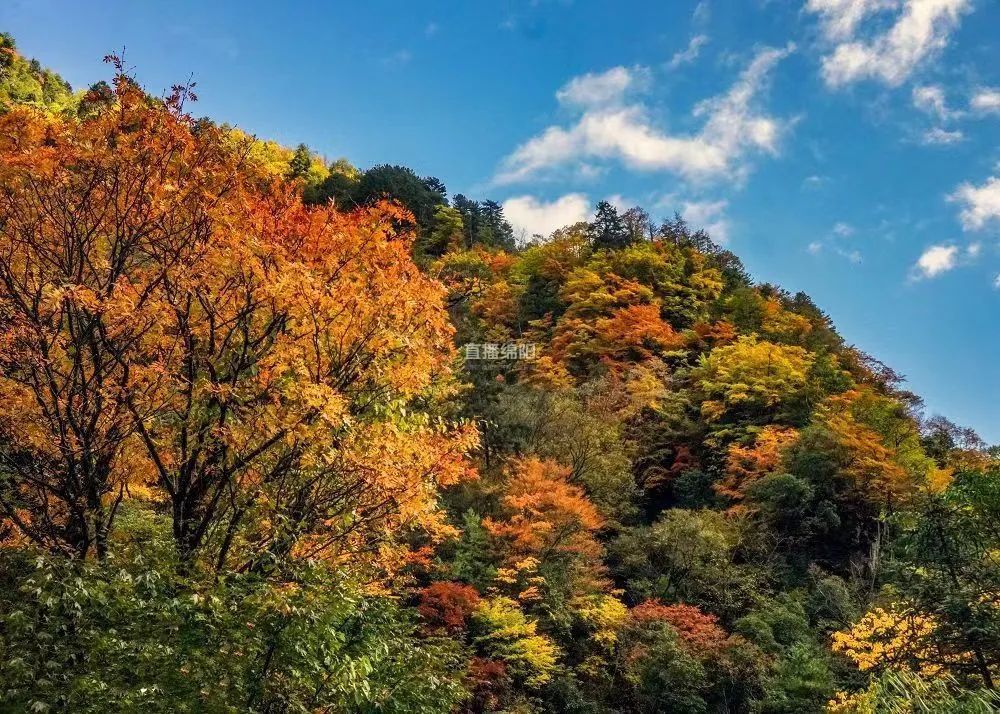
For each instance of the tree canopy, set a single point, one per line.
(279, 434)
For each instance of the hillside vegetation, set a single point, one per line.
(279, 434)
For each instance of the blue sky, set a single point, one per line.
(847, 148)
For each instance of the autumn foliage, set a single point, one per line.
(746, 465)
(246, 465)
(549, 519)
(447, 605)
(699, 631)
(174, 331)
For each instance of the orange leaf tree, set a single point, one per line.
(172, 316)
(746, 465)
(550, 523)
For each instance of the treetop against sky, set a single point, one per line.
(846, 149)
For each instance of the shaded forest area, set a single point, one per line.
(284, 435)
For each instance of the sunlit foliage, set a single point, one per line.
(249, 462)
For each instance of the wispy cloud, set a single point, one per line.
(919, 30)
(688, 54)
(852, 254)
(702, 13)
(834, 242)
(397, 58)
(930, 99)
(710, 216)
(841, 18)
(610, 128)
(937, 136)
(843, 230)
(596, 89)
(985, 100)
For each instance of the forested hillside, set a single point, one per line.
(285, 435)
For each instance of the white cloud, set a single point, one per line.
(941, 137)
(986, 100)
(843, 229)
(595, 89)
(936, 260)
(930, 99)
(840, 18)
(529, 216)
(689, 53)
(732, 129)
(980, 204)
(699, 212)
(815, 247)
(620, 202)
(709, 215)
(941, 258)
(920, 29)
(814, 181)
(996, 282)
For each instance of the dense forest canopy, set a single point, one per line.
(284, 435)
